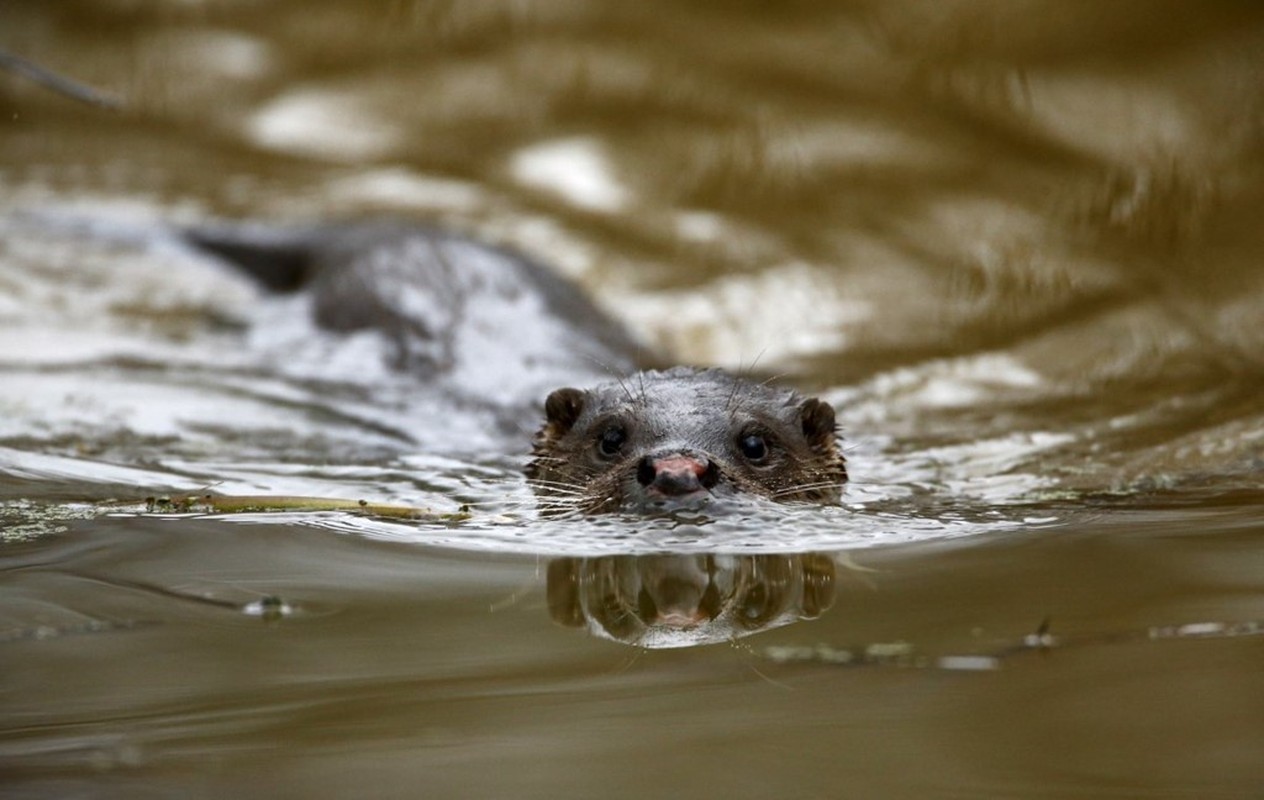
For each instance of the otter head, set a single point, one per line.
(681, 438)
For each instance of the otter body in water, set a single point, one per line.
(490, 326)
(475, 321)
(680, 437)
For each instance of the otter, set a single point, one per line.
(680, 438)
(448, 306)
(487, 326)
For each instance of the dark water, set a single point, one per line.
(1017, 245)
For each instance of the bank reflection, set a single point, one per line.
(663, 601)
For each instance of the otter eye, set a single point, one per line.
(753, 446)
(611, 440)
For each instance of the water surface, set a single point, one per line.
(1016, 245)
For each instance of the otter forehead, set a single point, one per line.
(690, 388)
(680, 402)
(689, 392)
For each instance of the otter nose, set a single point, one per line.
(677, 474)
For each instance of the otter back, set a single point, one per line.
(487, 321)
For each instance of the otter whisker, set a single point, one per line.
(603, 365)
(626, 390)
(557, 488)
(808, 485)
(728, 404)
(544, 462)
(758, 356)
(687, 436)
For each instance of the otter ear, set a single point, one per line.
(817, 418)
(562, 408)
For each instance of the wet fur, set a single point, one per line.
(421, 288)
(684, 410)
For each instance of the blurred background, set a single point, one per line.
(1016, 243)
(1058, 200)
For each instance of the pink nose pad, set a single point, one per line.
(677, 474)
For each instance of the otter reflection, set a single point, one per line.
(687, 600)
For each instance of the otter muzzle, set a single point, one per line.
(676, 475)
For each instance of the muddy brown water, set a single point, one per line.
(1017, 245)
